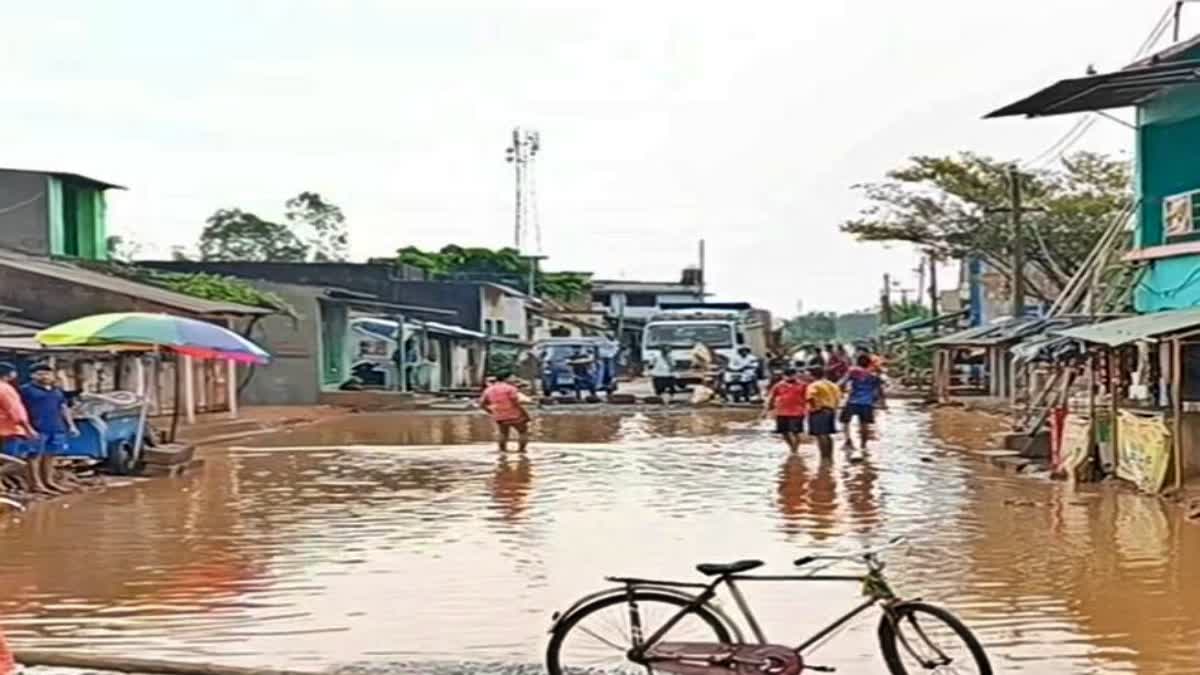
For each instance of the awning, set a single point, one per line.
(1141, 327)
(1118, 89)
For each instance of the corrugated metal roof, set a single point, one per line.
(1134, 328)
(67, 272)
(1010, 330)
(71, 176)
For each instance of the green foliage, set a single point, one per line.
(122, 249)
(199, 285)
(826, 327)
(946, 206)
(236, 235)
(505, 265)
(314, 230)
(323, 224)
(904, 311)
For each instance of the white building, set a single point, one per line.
(642, 299)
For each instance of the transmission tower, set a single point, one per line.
(524, 148)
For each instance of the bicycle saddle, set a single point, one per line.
(713, 569)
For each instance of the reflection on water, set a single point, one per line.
(334, 544)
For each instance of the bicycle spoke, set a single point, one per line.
(589, 632)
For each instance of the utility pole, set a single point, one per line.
(1015, 210)
(702, 279)
(920, 270)
(1018, 244)
(885, 299)
(933, 285)
(1175, 20)
(525, 146)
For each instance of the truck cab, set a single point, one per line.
(721, 331)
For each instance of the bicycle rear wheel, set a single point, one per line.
(598, 637)
(918, 638)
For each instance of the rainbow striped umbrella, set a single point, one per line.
(178, 334)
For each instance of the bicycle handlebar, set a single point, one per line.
(865, 554)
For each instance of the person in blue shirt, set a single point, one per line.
(864, 392)
(51, 419)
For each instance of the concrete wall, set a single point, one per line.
(294, 375)
(499, 306)
(26, 226)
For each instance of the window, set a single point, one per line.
(499, 327)
(641, 300)
(489, 327)
(1181, 215)
(602, 298)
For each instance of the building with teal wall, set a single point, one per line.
(1164, 90)
(54, 213)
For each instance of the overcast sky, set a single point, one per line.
(661, 123)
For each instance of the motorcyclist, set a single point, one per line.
(745, 364)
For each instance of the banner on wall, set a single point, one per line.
(1144, 450)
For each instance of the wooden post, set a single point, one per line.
(1115, 375)
(1177, 408)
(139, 369)
(231, 388)
(189, 389)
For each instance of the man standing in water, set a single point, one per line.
(823, 400)
(789, 399)
(14, 421)
(865, 391)
(51, 418)
(502, 401)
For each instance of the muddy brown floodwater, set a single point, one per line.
(388, 539)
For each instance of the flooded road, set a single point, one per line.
(333, 545)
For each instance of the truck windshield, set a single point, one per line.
(715, 335)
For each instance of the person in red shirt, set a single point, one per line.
(502, 400)
(14, 424)
(789, 401)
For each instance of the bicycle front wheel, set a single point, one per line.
(917, 638)
(597, 638)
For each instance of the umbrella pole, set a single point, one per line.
(140, 438)
(178, 396)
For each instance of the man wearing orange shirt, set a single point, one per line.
(502, 401)
(789, 400)
(14, 420)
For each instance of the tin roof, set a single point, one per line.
(1009, 330)
(103, 185)
(67, 272)
(1131, 85)
(1134, 328)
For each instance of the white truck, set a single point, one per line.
(723, 329)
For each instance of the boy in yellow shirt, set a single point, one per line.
(824, 397)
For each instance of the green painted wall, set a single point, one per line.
(77, 220)
(54, 209)
(1167, 163)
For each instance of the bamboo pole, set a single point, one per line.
(128, 665)
(1115, 372)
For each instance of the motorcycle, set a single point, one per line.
(740, 386)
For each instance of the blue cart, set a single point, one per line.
(113, 441)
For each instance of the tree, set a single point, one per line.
(233, 234)
(946, 206)
(121, 249)
(322, 224)
(505, 265)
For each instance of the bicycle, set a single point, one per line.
(659, 626)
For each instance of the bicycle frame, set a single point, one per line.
(873, 583)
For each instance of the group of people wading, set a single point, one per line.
(824, 393)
